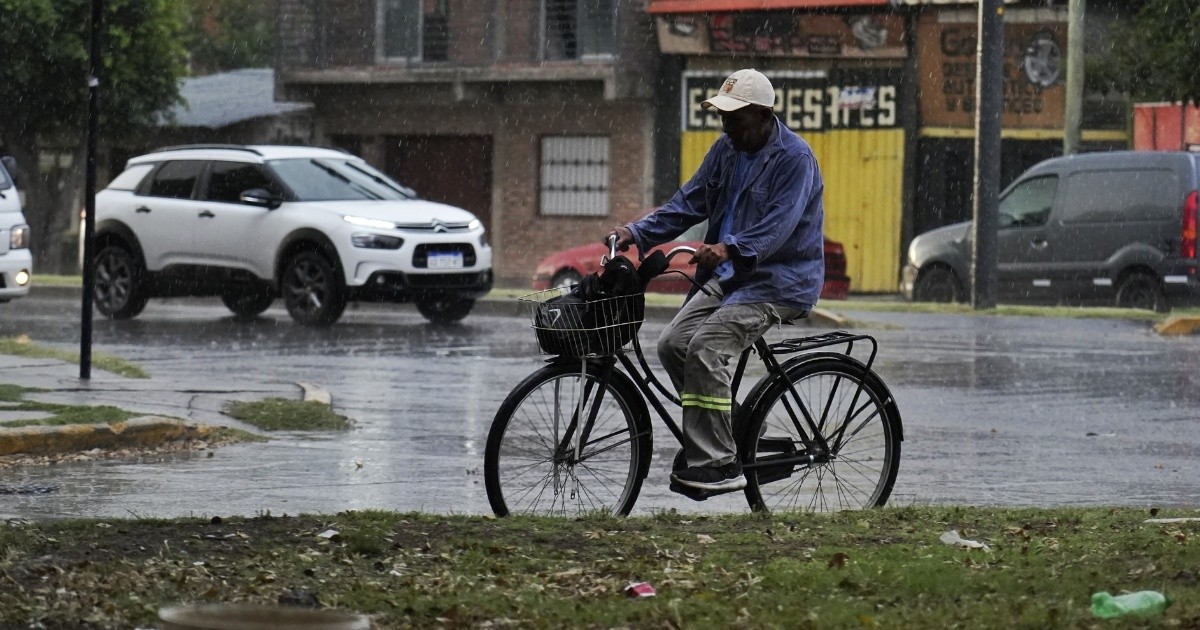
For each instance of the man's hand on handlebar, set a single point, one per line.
(709, 256)
(624, 237)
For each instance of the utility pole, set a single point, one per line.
(1073, 113)
(989, 104)
(89, 193)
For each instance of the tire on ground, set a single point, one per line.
(313, 289)
(118, 278)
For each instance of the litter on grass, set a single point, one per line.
(952, 538)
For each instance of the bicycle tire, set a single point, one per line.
(523, 475)
(862, 468)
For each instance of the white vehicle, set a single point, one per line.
(16, 263)
(318, 227)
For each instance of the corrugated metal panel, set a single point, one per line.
(864, 174)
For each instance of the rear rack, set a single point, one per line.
(804, 344)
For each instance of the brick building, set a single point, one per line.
(537, 115)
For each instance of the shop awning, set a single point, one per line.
(702, 6)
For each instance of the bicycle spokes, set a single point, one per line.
(849, 463)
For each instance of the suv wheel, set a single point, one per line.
(447, 310)
(249, 304)
(937, 284)
(313, 291)
(1141, 290)
(118, 283)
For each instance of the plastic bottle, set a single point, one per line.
(1141, 603)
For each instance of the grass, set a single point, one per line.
(59, 414)
(281, 414)
(24, 347)
(881, 568)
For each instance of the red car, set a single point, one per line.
(566, 267)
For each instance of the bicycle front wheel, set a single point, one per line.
(564, 445)
(786, 468)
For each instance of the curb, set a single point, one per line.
(1179, 325)
(511, 307)
(140, 431)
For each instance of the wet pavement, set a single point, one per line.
(997, 411)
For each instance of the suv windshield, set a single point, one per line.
(333, 179)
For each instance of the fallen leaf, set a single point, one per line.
(837, 561)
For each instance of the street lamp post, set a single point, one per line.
(989, 94)
(89, 220)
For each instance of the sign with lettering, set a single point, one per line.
(813, 101)
(1034, 71)
(862, 35)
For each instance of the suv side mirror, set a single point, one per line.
(261, 197)
(14, 171)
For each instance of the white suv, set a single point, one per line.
(318, 227)
(16, 263)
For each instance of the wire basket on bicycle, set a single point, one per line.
(568, 324)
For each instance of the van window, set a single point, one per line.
(1121, 195)
(175, 179)
(1029, 203)
(130, 179)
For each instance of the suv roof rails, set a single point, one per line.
(232, 147)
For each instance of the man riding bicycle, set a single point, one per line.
(762, 263)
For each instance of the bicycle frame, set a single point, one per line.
(817, 448)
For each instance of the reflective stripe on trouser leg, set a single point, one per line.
(705, 337)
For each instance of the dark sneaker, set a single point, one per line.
(725, 478)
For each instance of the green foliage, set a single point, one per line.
(1156, 53)
(281, 414)
(43, 80)
(230, 34)
(880, 568)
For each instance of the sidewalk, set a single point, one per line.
(172, 409)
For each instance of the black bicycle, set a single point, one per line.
(818, 432)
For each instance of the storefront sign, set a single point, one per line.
(1034, 72)
(864, 35)
(866, 99)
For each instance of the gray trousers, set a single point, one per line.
(696, 349)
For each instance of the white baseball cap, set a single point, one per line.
(742, 88)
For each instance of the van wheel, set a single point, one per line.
(447, 310)
(313, 290)
(1142, 290)
(119, 289)
(937, 284)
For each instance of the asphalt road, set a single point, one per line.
(997, 411)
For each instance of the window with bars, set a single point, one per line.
(578, 29)
(415, 30)
(575, 173)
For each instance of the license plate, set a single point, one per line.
(445, 260)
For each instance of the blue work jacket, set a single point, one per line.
(777, 242)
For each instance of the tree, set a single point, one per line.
(44, 92)
(1156, 53)
(230, 34)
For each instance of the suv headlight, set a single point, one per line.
(376, 241)
(476, 224)
(19, 238)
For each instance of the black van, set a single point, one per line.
(1109, 228)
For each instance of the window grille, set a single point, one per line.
(575, 172)
(416, 30)
(578, 29)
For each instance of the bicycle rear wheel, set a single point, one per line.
(852, 410)
(530, 463)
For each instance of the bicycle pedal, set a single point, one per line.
(691, 493)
